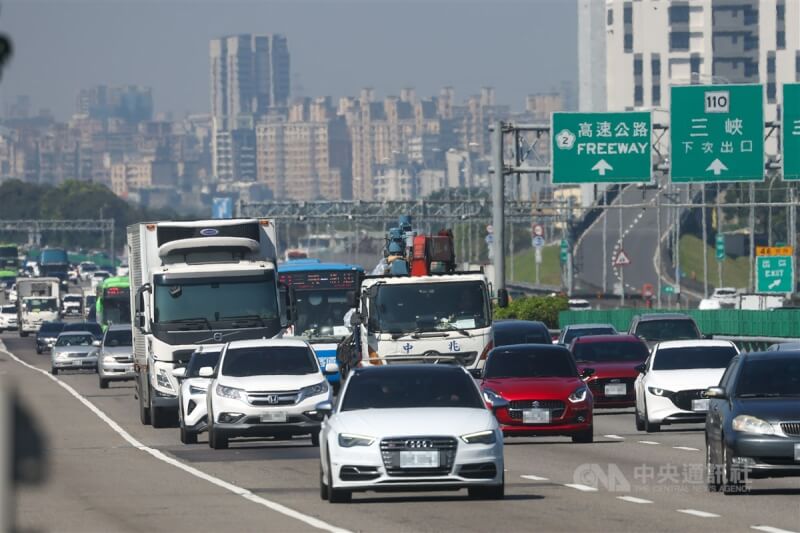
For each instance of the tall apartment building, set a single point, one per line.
(129, 102)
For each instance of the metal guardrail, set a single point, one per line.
(754, 344)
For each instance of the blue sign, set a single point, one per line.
(538, 241)
(222, 207)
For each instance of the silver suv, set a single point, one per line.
(115, 362)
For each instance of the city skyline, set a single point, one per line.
(333, 53)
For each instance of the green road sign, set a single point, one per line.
(791, 131)
(601, 148)
(668, 289)
(717, 133)
(720, 242)
(564, 250)
(774, 274)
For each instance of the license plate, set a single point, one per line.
(797, 453)
(536, 416)
(616, 389)
(276, 416)
(700, 405)
(419, 459)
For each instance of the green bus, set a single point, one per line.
(9, 257)
(113, 304)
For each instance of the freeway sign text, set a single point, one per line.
(791, 131)
(717, 133)
(601, 147)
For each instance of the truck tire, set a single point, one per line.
(158, 416)
(23, 333)
(144, 412)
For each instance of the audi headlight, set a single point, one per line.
(348, 440)
(481, 437)
(198, 390)
(230, 392)
(491, 397)
(751, 424)
(314, 390)
(162, 379)
(659, 391)
(578, 395)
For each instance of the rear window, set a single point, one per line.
(574, 333)
(269, 361)
(668, 330)
(606, 352)
(92, 327)
(521, 335)
(6, 309)
(693, 357)
(518, 363)
(51, 327)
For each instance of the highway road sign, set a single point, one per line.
(222, 207)
(622, 259)
(564, 250)
(791, 131)
(601, 147)
(538, 241)
(774, 274)
(668, 289)
(720, 246)
(717, 133)
(537, 230)
(774, 251)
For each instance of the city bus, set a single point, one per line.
(113, 301)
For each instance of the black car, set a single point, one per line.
(508, 332)
(753, 421)
(653, 328)
(47, 335)
(92, 327)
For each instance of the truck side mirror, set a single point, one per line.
(140, 319)
(502, 298)
(356, 319)
(352, 299)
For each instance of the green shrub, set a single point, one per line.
(543, 308)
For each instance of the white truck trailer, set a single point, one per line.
(37, 302)
(194, 283)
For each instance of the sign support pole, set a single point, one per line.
(658, 248)
(621, 269)
(605, 240)
(498, 222)
(705, 240)
(793, 235)
(677, 250)
(752, 238)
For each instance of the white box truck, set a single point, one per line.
(194, 283)
(37, 302)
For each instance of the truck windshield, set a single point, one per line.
(436, 306)
(41, 304)
(230, 300)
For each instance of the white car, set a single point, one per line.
(72, 304)
(410, 427)
(727, 296)
(192, 392)
(265, 388)
(86, 269)
(98, 278)
(671, 385)
(12, 294)
(8, 318)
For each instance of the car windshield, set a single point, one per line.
(769, 377)
(200, 360)
(118, 337)
(88, 267)
(75, 340)
(725, 292)
(574, 333)
(51, 327)
(40, 304)
(269, 361)
(430, 307)
(400, 388)
(530, 364)
(667, 330)
(8, 309)
(72, 298)
(503, 336)
(692, 357)
(610, 351)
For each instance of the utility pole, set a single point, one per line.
(498, 214)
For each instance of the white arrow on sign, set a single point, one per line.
(716, 167)
(601, 167)
(774, 284)
(622, 259)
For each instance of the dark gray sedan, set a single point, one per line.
(74, 350)
(753, 421)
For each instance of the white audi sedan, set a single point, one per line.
(671, 385)
(410, 427)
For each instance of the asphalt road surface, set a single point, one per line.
(107, 472)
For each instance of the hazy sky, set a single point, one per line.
(336, 46)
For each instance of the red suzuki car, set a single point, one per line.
(535, 389)
(614, 359)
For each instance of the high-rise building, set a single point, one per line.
(131, 103)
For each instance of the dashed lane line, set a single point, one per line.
(239, 491)
(770, 529)
(687, 448)
(617, 437)
(534, 478)
(633, 499)
(695, 512)
(582, 488)
(649, 442)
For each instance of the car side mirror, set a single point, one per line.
(331, 368)
(587, 372)
(356, 319)
(476, 373)
(179, 373)
(96, 343)
(716, 392)
(324, 408)
(206, 372)
(500, 403)
(641, 368)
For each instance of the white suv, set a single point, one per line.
(192, 417)
(8, 317)
(265, 388)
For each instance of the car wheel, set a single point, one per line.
(144, 411)
(712, 470)
(23, 333)
(315, 440)
(585, 437)
(103, 383)
(323, 488)
(187, 436)
(38, 351)
(54, 371)
(216, 440)
(650, 427)
(638, 418)
(733, 477)
(496, 492)
(336, 495)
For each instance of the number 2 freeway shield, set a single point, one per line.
(601, 147)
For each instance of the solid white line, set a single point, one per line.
(695, 512)
(614, 437)
(244, 493)
(651, 442)
(633, 499)
(687, 448)
(534, 478)
(582, 488)
(770, 529)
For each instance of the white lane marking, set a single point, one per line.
(582, 488)
(695, 512)
(534, 478)
(633, 499)
(770, 529)
(614, 437)
(651, 442)
(239, 491)
(687, 448)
